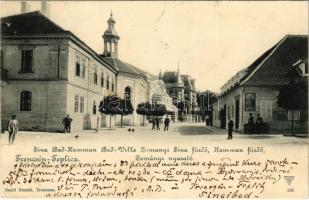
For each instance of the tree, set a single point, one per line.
(293, 96)
(158, 110)
(144, 109)
(111, 105)
(148, 109)
(126, 108)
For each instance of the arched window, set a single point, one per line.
(127, 93)
(25, 101)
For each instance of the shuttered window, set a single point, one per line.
(266, 110)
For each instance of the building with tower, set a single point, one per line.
(183, 92)
(47, 73)
(132, 83)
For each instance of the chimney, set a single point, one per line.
(25, 7)
(45, 8)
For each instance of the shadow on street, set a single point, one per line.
(194, 130)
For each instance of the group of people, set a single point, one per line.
(156, 123)
(257, 126)
(251, 125)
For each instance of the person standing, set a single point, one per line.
(153, 123)
(13, 129)
(230, 126)
(67, 124)
(251, 123)
(166, 123)
(259, 123)
(158, 123)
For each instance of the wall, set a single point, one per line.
(47, 83)
(53, 84)
(87, 88)
(47, 105)
(278, 119)
(139, 94)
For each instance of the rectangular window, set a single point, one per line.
(25, 101)
(107, 83)
(26, 61)
(76, 102)
(77, 66)
(95, 77)
(296, 115)
(81, 104)
(250, 102)
(102, 79)
(83, 69)
(306, 68)
(266, 110)
(232, 111)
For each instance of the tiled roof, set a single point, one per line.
(270, 69)
(32, 23)
(123, 67)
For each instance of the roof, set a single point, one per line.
(270, 69)
(38, 25)
(169, 77)
(32, 23)
(123, 67)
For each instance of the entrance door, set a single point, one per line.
(237, 114)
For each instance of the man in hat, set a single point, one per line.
(67, 124)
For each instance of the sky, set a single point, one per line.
(210, 40)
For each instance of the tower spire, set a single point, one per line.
(111, 38)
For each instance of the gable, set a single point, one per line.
(272, 70)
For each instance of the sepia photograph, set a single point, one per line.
(154, 99)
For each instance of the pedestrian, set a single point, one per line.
(153, 123)
(13, 129)
(67, 124)
(230, 126)
(259, 123)
(166, 123)
(158, 123)
(2, 128)
(251, 123)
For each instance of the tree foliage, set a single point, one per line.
(111, 105)
(149, 109)
(293, 96)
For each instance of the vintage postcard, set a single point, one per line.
(154, 99)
